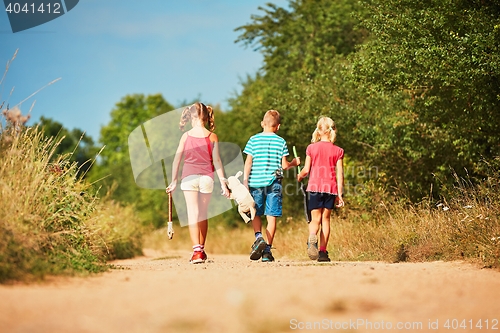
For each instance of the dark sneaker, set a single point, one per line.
(323, 256)
(257, 248)
(312, 247)
(267, 257)
(198, 257)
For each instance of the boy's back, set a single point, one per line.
(267, 151)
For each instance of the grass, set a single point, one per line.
(51, 220)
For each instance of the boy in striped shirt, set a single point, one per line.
(266, 158)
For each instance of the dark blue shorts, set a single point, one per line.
(318, 200)
(268, 200)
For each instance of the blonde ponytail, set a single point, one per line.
(333, 133)
(185, 118)
(211, 119)
(324, 126)
(316, 136)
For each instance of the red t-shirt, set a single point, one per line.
(198, 157)
(324, 156)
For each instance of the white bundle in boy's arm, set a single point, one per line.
(239, 193)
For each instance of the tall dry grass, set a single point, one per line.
(51, 220)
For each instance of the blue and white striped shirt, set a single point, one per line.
(267, 151)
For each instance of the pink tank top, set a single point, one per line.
(198, 157)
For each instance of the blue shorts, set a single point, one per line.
(268, 200)
(319, 200)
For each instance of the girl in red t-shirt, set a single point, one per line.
(200, 149)
(324, 166)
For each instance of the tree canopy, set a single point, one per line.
(413, 86)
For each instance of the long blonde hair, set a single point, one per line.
(324, 126)
(200, 110)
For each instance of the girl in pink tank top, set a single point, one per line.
(199, 147)
(198, 158)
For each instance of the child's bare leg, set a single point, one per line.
(324, 234)
(257, 224)
(270, 229)
(203, 200)
(315, 221)
(193, 214)
(312, 239)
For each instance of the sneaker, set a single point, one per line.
(267, 257)
(312, 247)
(323, 256)
(198, 257)
(257, 248)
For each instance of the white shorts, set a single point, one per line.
(199, 183)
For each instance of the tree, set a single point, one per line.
(304, 52)
(443, 56)
(413, 86)
(114, 168)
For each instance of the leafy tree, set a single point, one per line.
(304, 52)
(114, 169)
(413, 86)
(443, 56)
(306, 37)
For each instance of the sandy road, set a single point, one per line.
(163, 293)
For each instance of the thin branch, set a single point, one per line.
(365, 144)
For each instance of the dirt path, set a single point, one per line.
(163, 293)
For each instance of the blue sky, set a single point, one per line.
(104, 50)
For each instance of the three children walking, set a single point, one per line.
(266, 160)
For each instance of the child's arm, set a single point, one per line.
(305, 170)
(218, 165)
(176, 163)
(339, 170)
(287, 165)
(247, 169)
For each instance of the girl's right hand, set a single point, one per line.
(224, 191)
(340, 201)
(170, 188)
